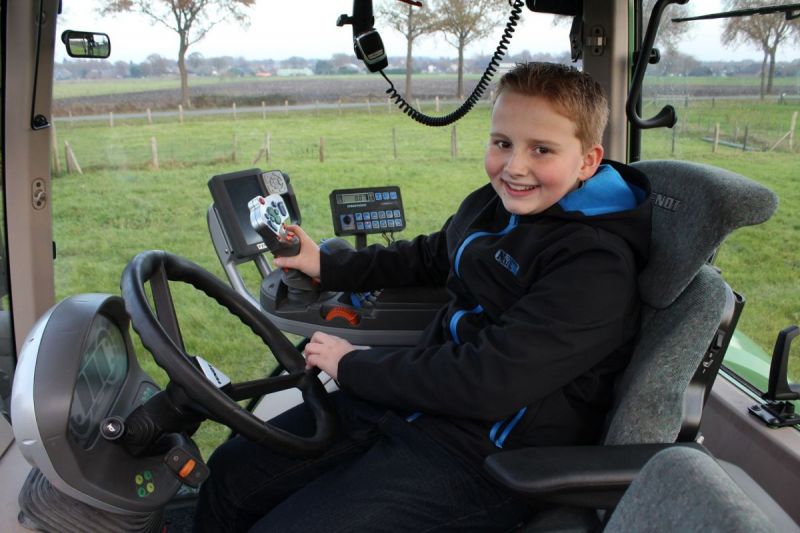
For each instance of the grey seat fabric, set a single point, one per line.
(683, 489)
(694, 208)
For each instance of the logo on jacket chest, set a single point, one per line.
(508, 262)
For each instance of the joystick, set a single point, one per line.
(268, 216)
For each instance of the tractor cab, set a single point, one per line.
(143, 320)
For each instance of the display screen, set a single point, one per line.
(104, 365)
(241, 191)
(354, 197)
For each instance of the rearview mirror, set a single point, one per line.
(86, 44)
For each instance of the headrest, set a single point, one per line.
(694, 208)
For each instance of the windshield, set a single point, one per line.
(138, 136)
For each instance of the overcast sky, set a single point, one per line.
(285, 28)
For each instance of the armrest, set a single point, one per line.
(585, 476)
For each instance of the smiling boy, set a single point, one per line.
(540, 267)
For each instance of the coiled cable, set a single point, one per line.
(477, 92)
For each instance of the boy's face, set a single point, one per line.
(534, 157)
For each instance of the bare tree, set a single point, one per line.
(465, 21)
(669, 33)
(765, 31)
(411, 22)
(190, 19)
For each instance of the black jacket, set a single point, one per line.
(541, 317)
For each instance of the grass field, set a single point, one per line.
(120, 206)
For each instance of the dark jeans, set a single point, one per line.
(381, 474)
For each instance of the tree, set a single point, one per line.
(413, 23)
(765, 31)
(190, 19)
(669, 33)
(465, 21)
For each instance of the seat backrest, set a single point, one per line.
(694, 208)
(684, 489)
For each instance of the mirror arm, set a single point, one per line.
(779, 387)
(667, 116)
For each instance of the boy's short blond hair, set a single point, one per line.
(574, 94)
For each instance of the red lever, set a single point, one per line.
(348, 314)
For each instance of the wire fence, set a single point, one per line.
(326, 134)
(373, 131)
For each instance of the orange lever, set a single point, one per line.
(349, 315)
(187, 468)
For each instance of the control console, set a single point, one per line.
(248, 218)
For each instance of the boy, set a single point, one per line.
(540, 266)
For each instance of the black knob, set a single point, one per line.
(112, 428)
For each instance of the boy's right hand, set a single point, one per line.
(307, 261)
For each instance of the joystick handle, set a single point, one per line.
(268, 216)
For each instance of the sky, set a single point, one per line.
(278, 30)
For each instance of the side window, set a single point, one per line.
(737, 104)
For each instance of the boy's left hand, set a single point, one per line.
(325, 351)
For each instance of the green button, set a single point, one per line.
(141, 492)
(148, 475)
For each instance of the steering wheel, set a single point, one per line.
(160, 335)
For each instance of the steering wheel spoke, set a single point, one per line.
(165, 307)
(259, 387)
(161, 335)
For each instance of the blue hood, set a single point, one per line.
(605, 192)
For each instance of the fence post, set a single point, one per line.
(388, 105)
(153, 153)
(437, 105)
(418, 106)
(339, 106)
(369, 107)
(263, 110)
(180, 113)
(322, 149)
(72, 161)
(286, 107)
(394, 142)
(674, 134)
(716, 138)
(235, 116)
(746, 134)
(792, 127)
(111, 119)
(453, 143)
(149, 117)
(54, 149)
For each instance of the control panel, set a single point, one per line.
(232, 194)
(367, 210)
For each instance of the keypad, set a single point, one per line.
(377, 212)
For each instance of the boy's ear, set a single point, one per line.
(591, 160)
